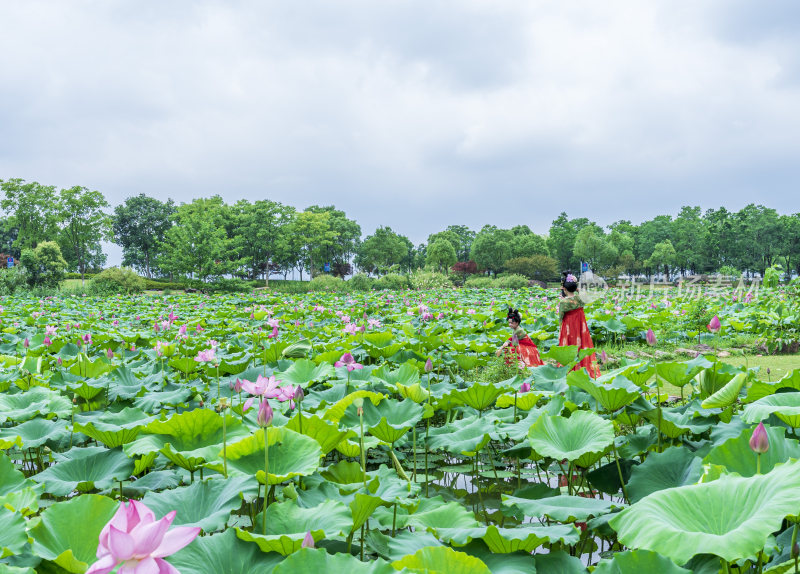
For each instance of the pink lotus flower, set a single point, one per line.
(308, 540)
(199, 329)
(428, 366)
(50, 330)
(247, 404)
(182, 330)
(351, 328)
(603, 357)
(650, 337)
(264, 418)
(237, 386)
(348, 361)
(87, 338)
(206, 356)
(759, 442)
(524, 387)
(136, 542)
(158, 350)
(286, 394)
(714, 325)
(274, 333)
(47, 342)
(263, 387)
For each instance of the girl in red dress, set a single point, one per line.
(520, 345)
(574, 330)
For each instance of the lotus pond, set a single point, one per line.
(394, 440)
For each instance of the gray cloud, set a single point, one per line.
(414, 115)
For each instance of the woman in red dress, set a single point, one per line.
(574, 330)
(520, 345)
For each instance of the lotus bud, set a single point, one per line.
(525, 387)
(264, 417)
(650, 337)
(428, 366)
(299, 395)
(308, 540)
(603, 357)
(796, 550)
(26, 343)
(714, 326)
(768, 370)
(109, 353)
(759, 442)
(59, 362)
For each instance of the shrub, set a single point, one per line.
(78, 275)
(12, 279)
(429, 280)
(539, 267)
(118, 280)
(160, 285)
(393, 281)
(361, 282)
(772, 276)
(730, 271)
(45, 265)
(327, 283)
(479, 282)
(512, 282)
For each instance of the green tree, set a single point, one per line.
(791, 242)
(84, 224)
(651, 233)
(529, 245)
(347, 235)
(561, 240)
(539, 267)
(465, 238)
(689, 236)
(8, 236)
(139, 226)
(664, 256)
(381, 250)
(45, 264)
(759, 237)
(310, 235)
(258, 232)
(32, 207)
(441, 255)
(491, 248)
(198, 243)
(592, 246)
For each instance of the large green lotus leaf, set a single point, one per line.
(389, 487)
(336, 411)
(760, 389)
(506, 540)
(524, 401)
(786, 406)
(736, 455)
(676, 466)
(567, 355)
(318, 560)
(612, 396)
(17, 492)
(123, 384)
(99, 470)
(223, 553)
(86, 390)
(13, 538)
(36, 432)
(676, 421)
(401, 544)
(639, 562)
(432, 512)
(730, 517)
(728, 394)
(405, 375)
(582, 438)
(24, 406)
(290, 454)
(559, 562)
(153, 401)
(466, 362)
(326, 433)
(6, 569)
(188, 439)
(442, 559)
(206, 504)
(712, 379)
(331, 519)
(114, 429)
(68, 532)
(90, 368)
(563, 508)
(388, 421)
(283, 544)
(479, 396)
(151, 482)
(304, 371)
(415, 392)
(461, 437)
(519, 431)
(550, 378)
(678, 374)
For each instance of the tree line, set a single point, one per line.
(209, 238)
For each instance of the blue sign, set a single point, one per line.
(10, 262)
(584, 267)
(327, 267)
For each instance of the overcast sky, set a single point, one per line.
(411, 114)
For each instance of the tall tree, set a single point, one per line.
(258, 231)
(441, 255)
(491, 248)
(465, 238)
(32, 207)
(139, 226)
(311, 236)
(84, 223)
(381, 250)
(689, 235)
(198, 243)
(664, 256)
(347, 235)
(561, 240)
(593, 247)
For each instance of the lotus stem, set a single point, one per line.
(224, 444)
(361, 447)
(515, 406)
(414, 448)
(394, 520)
(266, 481)
(758, 463)
(619, 470)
